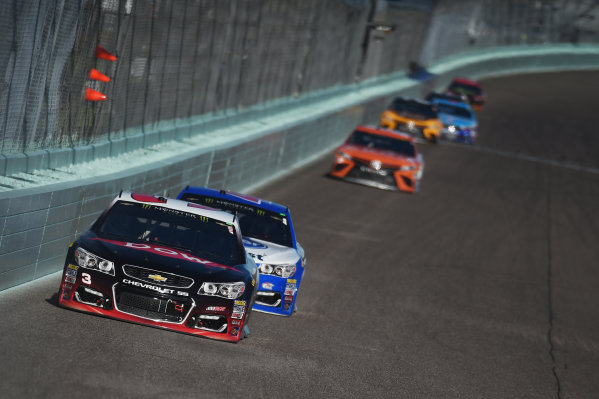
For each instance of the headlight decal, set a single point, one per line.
(223, 290)
(284, 271)
(91, 261)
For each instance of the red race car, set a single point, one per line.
(469, 89)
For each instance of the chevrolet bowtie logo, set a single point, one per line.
(157, 277)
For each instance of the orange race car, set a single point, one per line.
(379, 158)
(417, 118)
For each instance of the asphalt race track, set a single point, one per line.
(483, 285)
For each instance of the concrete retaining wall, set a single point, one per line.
(37, 224)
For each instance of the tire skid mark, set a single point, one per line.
(550, 294)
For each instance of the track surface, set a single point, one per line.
(483, 285)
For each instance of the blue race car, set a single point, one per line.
(268, 237)
(459, 120)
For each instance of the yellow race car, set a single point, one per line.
(417, 118)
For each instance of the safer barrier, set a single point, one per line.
(38, 223)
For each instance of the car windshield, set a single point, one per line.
(412, 109)
(254, 221)
(460, 112)
(380, 142)
(209, 238)
(465, 89)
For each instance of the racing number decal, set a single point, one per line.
(86, 278)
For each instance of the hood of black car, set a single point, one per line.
(160, 257)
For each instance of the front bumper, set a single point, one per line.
(359, 172)
(276, 295)
(459, 135)
(181, 311)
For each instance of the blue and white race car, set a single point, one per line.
(268, 236)
(459, 120)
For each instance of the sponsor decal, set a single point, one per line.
(239, 302)
(175, 305)
(171, 253)
(289, 299)
(286, 307)
(73, 267)
(71, 272)
(253, 282)
(291, 281)
(238, 309)
(236, 322)
(157, 277)
(249, 243)
(192, 205)
(86, 278)
(290, 289)
(245, 197)
(376, 164)
(256, 256)
(236, 315)
(267, 286)
(216, 308)
(182, 293)
(66, 294)
(235, 331)
(68, 286)
(149, 286)
(69, 279)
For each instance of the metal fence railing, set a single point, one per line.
(178, 59)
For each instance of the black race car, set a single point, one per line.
(165, 263)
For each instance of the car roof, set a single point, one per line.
(176, 204)
(466, 81)
(385, 132)
(413, 100)
(445, 96)
(458, 104)
(237, 197)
